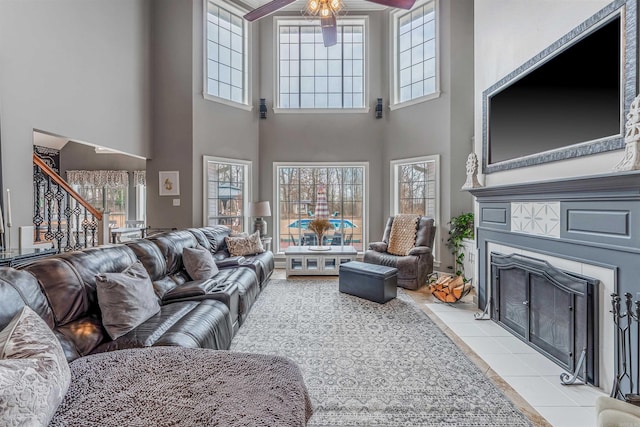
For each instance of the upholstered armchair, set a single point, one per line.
(413, 268)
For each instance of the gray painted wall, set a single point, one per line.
(220, 130)
(75, 68)
(443, 125)
(172, 130)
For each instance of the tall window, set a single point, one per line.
(227, 193)
(415, 56)
(415, 187)
(301, 191)
(226, 75)
(104, 189)
(311, 75)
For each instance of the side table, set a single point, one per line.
(266, 242)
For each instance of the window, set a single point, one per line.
(226, 54)
(227, 194)
(298, 187)
(415, 188)
(311, 75)
(104, 189)
(415, 54)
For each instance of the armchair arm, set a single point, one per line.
(420, 250)
(378, 246)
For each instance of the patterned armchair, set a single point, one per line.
(413, 268)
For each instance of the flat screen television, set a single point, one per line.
(567, 101)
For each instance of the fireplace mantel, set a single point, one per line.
(570, 188)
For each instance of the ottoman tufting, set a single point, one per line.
(369, 281)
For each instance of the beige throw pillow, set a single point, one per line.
(240, 246)
(402, 237)
(34, 373)
(199, 263)
(126, 299)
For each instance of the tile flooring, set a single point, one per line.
(531, 375)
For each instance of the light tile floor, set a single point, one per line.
(534, 377)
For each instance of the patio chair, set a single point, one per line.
(337, 239)
(309, 239)
(293, 240)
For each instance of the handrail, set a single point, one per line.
(62, 183)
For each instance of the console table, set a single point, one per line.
(19, 257)
(301, 260)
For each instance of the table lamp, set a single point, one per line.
(260, 210)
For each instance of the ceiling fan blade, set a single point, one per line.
(266, 9)
(400, 4)
(329, 30)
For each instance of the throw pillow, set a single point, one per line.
(126, 299)
(403, 234)
(199, 263)
(34, 373)
(240, 246)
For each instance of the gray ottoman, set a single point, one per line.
(369, 281)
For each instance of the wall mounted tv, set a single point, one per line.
(567, 101)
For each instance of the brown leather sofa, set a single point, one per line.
(204, 314)
(414, 268)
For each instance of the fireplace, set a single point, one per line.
(553, 311)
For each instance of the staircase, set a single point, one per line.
(60, 215)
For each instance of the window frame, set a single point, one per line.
(394, 207)
(394, 25)
(248, 165)
(350, 20)
(276, 197)
(247, 104)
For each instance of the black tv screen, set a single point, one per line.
(572, 98)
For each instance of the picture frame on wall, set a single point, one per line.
(169, 183)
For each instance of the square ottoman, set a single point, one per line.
(369, 281)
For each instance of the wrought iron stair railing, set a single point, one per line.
(60, 215)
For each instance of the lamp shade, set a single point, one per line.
(259, 209)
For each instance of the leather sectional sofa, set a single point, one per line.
(193, 313)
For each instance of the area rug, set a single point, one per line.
(370, 364)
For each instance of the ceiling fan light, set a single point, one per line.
(325, 12)
(336, 5)
(313, 6)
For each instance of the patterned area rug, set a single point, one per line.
(367, 364)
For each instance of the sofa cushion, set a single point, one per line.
(199, 263)
(34, 374)
(239, 246)
(126, 299)
(403, 234)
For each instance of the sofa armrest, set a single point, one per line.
(378, 246)
(420, 250)
(233, 261)
(190, 289)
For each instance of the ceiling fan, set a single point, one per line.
(327, 10)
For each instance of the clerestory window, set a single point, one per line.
(312, 76)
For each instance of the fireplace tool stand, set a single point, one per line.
(627, 359)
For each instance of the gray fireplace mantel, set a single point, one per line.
(628, 182)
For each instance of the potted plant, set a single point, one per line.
(452, 288)
(460, 227)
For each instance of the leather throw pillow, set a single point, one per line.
(34, 373)
(126, 299)
(199, 263)
(240, 246)
(402, 237)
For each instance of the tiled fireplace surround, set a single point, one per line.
(588, 226)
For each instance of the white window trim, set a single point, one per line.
(248, 181)
(247, 105)
(276, 198)
(393, 199)
(283, 20)
(393, 63)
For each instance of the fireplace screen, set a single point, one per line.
(551, 310)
